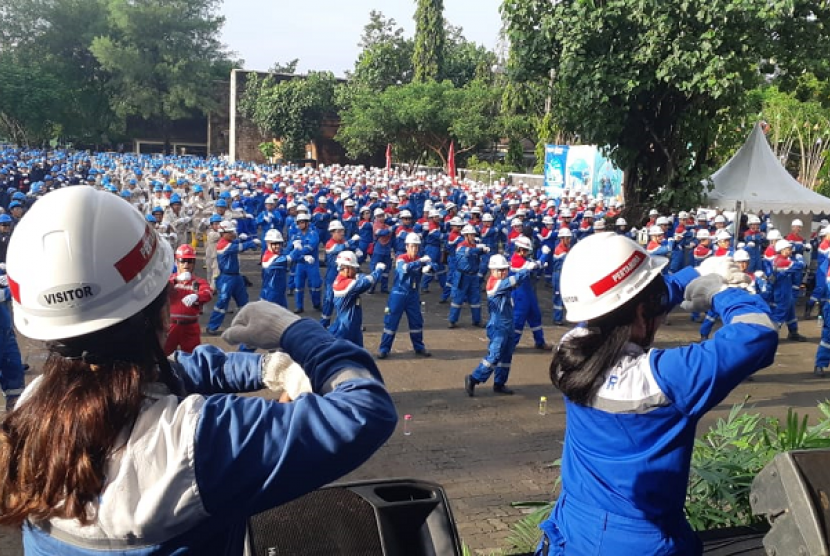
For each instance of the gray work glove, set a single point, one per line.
(700, 291)
(260, 324)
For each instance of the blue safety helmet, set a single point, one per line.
(222, 203)
(157, 209)
(150, 218)
(14, 204)
(215, 218)
(197, 189)
(5, 219)
(175, 198)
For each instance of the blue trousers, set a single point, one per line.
(446, 288)
(400, 303)
(228, 286)
(783, 312)
(274, 296)
(526, 311)
(11, 365)
(498, 358)
(310, 273)
(823, 351)
(558, 304)
(467, 288)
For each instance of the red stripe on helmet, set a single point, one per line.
(619, 274)
(136, 260)
(14, 287)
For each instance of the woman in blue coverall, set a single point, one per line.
(115, 448)
(632, 410)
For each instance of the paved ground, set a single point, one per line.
(490, 451)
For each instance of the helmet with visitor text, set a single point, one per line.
(83, 260)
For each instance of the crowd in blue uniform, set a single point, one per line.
(423, 233)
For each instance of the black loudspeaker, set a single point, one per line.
(793, 492)
(396, 517)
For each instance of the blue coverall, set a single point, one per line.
(467, 285)
(333, 249)
(526, 305)
(499, 329)
(433, 247)
(348, 315)
(229, 283)
(784, 274)
(307, 271)
(275, 277)
(627, 453)
(405, 297)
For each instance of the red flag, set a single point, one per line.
(388, 156)
(451, 162)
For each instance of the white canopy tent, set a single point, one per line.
(754, 180)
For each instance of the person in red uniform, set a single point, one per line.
(187, 295)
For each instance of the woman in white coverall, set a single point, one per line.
(117, 449)
(631, 409)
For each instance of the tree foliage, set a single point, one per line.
(652, 81)
(292, 110)
(420, 118)
(430, 38)
(30, 100)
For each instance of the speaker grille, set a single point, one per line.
(323, 522)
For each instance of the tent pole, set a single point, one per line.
(737, 226)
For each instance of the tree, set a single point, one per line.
(428, 56)
(30, 100)
(291, 110)
(289, 67)
(54, 37)
(419, 118)
(386, 58)
(650, 81)
(161, 56)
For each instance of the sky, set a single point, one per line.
(324, 34)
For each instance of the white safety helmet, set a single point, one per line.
(81, 261)
(348, 203)
(273, 236)
(782, 244)
(378, 212)
(346, 258)
(824, 231)
(653, 212)
(774, 235)
(412, 239)
(621, 222)
(303, 217)
(565, 213)
(227, 227)
(720, 219)
(405, 214)
(516, 222)
(487, 217)
(335, 225)
(547, 220)
(741, 256)
(702, 234)
(683, 215)
(564, 232)
(435, 213)
(593, 286)
(271, 199)
(662, 221)
(723, 235)
(468, 229)
(523, 242)
(656, 231)
(599, 225)
(752, 219)
(797, 222)
(588, 214)
(498, 262)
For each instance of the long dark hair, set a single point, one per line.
(579, 364)
(54, 446)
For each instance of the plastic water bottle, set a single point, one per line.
(407, 420)
(423, 307)
(820, 320)
(543, 405)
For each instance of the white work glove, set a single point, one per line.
(309, 259)
(267, 218)
(722, 266)
(183, 221)
(3, 267)
(427, 269)
(190, 300)
(204, 222)
(184, 277)
(5, 294)
(260, 324)
(700, 291)
(759, 274)
(257, 241)
(532, 265)
(425, 259)
(545, 249)
(297, 244)
(358, 253)
(808, 247)
(380, 266)
(750, 244)
(243, 237)
(248, 215)
(281, 374)
(4, 281)
(799, 257)
(356, 237)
